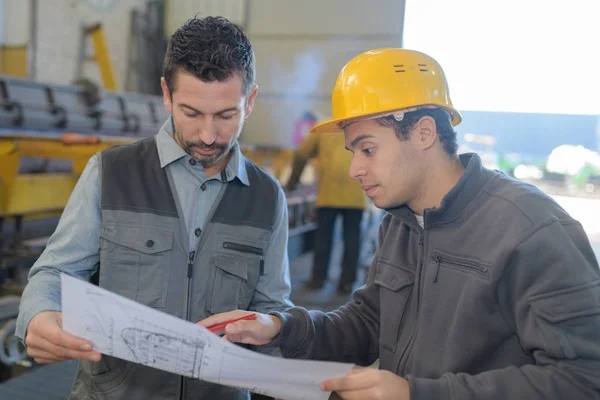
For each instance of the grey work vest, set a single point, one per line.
(144, 256)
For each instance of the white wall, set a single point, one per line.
(178, 11)
(14, 22)
(58, 34)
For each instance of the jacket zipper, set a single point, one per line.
(404, 357)
(243, 248)
(446, 259)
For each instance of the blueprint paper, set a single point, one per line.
(122, 328)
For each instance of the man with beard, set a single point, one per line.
(172, 222)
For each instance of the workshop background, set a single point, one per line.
(77, 76)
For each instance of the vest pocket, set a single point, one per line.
(108, 373)
(229, 275)
(135, 262)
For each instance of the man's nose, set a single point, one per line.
(356, 170)
(208, 133)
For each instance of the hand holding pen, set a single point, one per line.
(244, 326)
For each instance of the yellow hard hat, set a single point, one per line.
(387, 81)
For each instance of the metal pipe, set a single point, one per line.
(32, 42)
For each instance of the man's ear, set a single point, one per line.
(250, 101)
(166, 96)
(426, 132)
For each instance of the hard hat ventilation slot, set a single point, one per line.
(400, 66)
(423, 67)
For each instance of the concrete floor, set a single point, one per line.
(325, 299)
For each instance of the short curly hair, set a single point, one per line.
(442, 118)
(212, 49)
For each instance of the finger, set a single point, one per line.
(219, 332)
(64, 353)
(249, 332)
(55, 335)
(38, 355)
(243, 327)
(223, 317)
(235, 338)
(41, 356)
(352, 381)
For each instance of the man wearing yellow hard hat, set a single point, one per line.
(482, 286)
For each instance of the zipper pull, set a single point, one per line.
(437, 270)
(191, 263)
(262, 265)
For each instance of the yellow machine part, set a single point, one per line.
(38, 194)
(45, 194)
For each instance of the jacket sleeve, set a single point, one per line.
(348, 334)
(73, 248)
(550, 293)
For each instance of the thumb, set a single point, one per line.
(242, 327)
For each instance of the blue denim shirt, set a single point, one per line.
(74, 247)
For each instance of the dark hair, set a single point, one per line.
(442, 118)
(212, 49)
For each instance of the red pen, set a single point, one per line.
(222, 325)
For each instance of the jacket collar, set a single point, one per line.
(456, 200)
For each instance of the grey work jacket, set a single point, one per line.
(497, 298)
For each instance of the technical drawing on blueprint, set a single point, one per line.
(122, 328)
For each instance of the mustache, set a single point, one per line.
(204, 146)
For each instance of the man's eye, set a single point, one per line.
(368, 151)
(227, 116)
(190, 115)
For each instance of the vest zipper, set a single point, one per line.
(190, 271)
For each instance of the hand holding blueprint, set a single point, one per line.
(122, 328)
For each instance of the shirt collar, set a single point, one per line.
(169, 151)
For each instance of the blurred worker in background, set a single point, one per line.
(483, 287)
(337, 194)
(171, 222)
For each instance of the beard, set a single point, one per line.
(192, 148)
